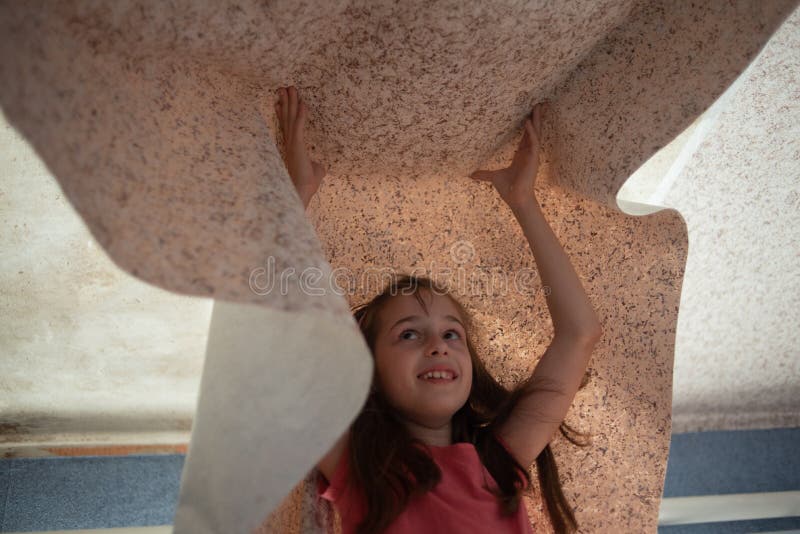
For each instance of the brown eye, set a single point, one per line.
(404, 332)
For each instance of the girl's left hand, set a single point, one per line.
(515, 182)
(306, 174)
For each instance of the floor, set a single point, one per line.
(120, 492)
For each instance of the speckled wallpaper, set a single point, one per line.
(157, 120)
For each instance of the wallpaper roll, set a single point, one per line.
(272, 383)
(157, 121)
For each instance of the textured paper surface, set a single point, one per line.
(157, 121)
(271, 381)
(742, 215)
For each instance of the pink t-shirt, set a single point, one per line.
(459, 503)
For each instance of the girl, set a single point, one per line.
(440, 446)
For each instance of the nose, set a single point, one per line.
(437, 348)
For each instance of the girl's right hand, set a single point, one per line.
(515, 182)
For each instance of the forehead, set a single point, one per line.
(404, 305)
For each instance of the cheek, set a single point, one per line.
(469, 381)
(467, 367)
(389, 364)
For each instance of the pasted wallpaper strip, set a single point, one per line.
(648, 81)
(157, 121)
(737, 363)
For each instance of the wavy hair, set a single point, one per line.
(390, 467)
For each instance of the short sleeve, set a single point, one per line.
(341, 491)
(332, 490)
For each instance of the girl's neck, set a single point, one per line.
(436, 436)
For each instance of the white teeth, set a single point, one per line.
(439, 374)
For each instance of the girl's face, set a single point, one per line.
(409, 342)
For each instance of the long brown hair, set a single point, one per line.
(383, 455)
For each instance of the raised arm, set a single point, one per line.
(306, 174)
(552, 387)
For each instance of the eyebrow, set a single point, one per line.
(412, 317)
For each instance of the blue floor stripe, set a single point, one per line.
(142, 490)
(735, 527)
(740, 461)
(89, 492)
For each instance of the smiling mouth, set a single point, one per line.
(438, 377)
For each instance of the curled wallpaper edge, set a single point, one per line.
(602, 95)
(586, 157)
(247, 451)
